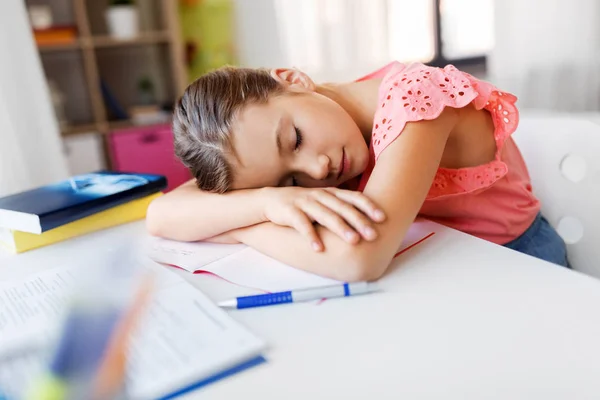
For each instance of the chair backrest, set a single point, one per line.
(562, 153)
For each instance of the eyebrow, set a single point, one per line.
(278, 135)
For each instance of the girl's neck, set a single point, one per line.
(359, 99)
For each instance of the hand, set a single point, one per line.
(349, 214)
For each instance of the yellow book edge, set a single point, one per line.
(19, 242)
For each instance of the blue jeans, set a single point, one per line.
(540, 240)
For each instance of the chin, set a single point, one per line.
(362, 161)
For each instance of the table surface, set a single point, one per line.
(457, 318)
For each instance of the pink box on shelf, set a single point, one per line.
(147, 149)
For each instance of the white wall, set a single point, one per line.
(547, 52)
(257, 37)
(30, 147)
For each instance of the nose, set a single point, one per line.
(319, 168)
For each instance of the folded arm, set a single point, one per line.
(189, 214)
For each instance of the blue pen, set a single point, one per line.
(294, 296)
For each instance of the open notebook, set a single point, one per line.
(247, 267)
(183, 342)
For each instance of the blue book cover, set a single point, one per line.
(48, 207)
(214, 378)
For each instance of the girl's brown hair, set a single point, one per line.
(203, 117)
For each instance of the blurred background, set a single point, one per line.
(89, 84)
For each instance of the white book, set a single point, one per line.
(182, 341)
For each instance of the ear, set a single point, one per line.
(293, 79)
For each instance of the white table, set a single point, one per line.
(459, 319)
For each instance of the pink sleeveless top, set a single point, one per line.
(493, 201)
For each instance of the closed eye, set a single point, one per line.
(298, 138)
(296, 147)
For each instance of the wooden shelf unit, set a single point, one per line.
(93, 42)
(79, 128)
(144, 38)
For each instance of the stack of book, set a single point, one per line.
(76, 206)
(55, 35)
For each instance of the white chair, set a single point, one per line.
(562, 152)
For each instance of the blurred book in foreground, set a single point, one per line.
(181, 342)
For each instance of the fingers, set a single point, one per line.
(350, 215)
(360, 201)
(302, 223)
(330, 219)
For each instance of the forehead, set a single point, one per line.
(257, 162)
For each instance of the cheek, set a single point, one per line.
(328, 117)
(327, 124)
(336, 129)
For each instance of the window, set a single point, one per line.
(440, 32)
(343, 39)
(466, 30)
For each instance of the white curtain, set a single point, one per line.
(30, 145)
(547, 52)
(333, 39)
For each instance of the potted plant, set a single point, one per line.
(146, 91)
(122, 19)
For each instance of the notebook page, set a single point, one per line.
(30, 308)
(183, 338)
(247, 267)
(255, 270)
(189, 256)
